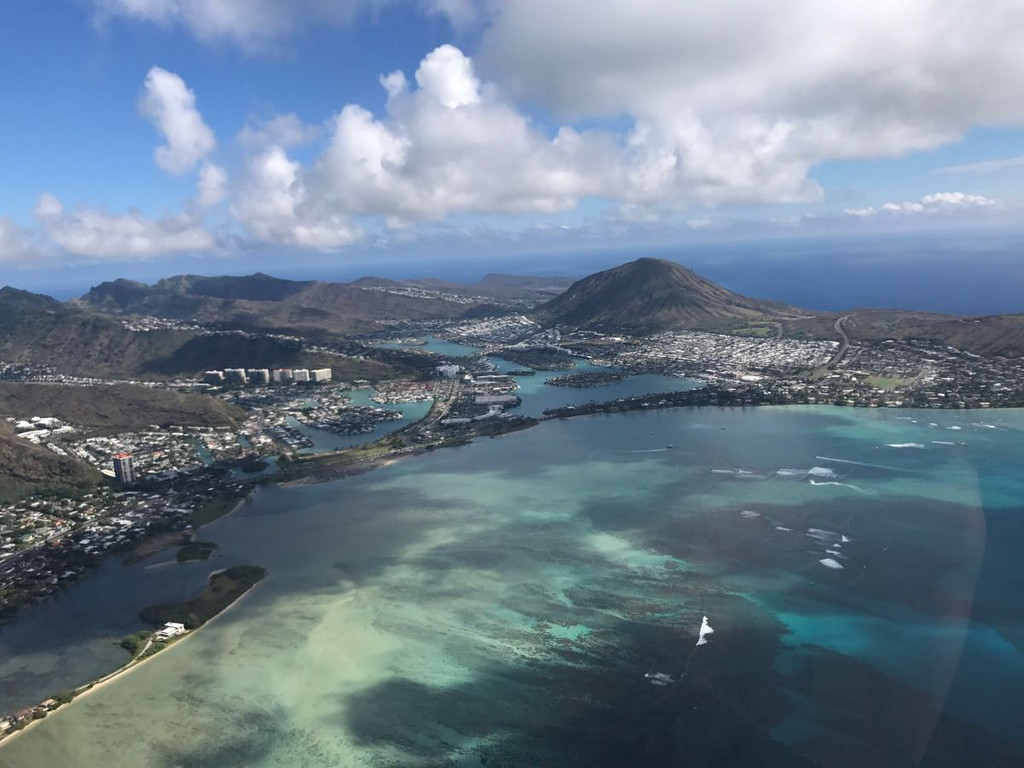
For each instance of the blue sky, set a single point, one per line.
(150, 137)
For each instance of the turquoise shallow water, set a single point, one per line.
(324, 440)
(538, 396)
(503, 602)
(437, 346)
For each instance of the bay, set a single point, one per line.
(509, 602)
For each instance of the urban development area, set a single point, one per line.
(169, 467)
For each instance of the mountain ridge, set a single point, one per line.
(86, 336)
(74, 339)
(315, 308)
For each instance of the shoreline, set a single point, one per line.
(229, 513)
(321, 468)
(156, 544)
(355, 468)
(326, 467)
(84, 690)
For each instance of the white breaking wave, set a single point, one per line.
(822, 472)
(705, 630)
(744, 474)
(828, 562)
(165, 564)
(861, 464)
(942, 442)
(904, 445)
(659, 678)
(825, 537)
(783, 528)
(843, 485)
(749, 514)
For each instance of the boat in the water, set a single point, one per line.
(705, 630)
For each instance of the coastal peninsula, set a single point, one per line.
(176, 621)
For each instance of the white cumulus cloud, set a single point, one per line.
(212, 185)
(938, 202)
(727, 102)
(171, 107)
(738, 100)
(48, 206)
(453, 144)
(448, 76)
(957, 199)
(94, 233)
(274, 206)
(448, 144)
(17, 244)
(655, 107)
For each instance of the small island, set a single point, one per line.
(587, 379)
(537, 358)
(196, 550)
(254, 465)
(225, 587)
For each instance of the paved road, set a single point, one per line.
(844, 342)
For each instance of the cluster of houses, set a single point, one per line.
(484, 396)
(22, 717)
(38, 428)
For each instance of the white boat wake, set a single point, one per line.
(843, 485)
(659, 678)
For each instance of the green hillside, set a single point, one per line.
(77, 340)
(1001, 335)
(117, 407)
(27, 469)
(40, 331)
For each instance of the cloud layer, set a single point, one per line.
(729, 101)
(939, 202)
(17, 244)
(98, 234)
(740, 99)
(656, 109)
(252, 24)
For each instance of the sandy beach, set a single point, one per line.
(131, 666)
